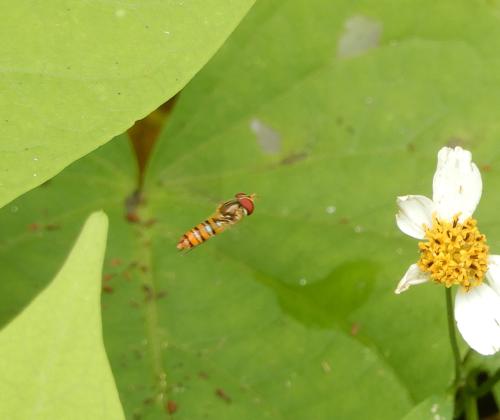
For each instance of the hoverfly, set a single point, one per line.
(227, 214)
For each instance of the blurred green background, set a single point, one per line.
(327, 110)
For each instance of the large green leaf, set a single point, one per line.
(436, 407)
(75, 74)
(327, 112)
(52, 356)
(202, 331)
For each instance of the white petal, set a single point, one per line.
(477, 313)
(457, 184)
(493, 273)
(411, 278)
(414, 212)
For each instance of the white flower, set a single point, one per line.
(454, 252)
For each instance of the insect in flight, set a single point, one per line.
(227, 214)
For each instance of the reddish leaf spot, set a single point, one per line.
(107, 277)
(355, 329)
(222, 395)
(171, 406)
(133, 217)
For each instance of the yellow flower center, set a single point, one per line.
(454, 253)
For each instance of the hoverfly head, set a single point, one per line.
(246, 201)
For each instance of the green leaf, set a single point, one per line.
(52, 356)
(203, 332)
(436, 407)
(290, 314)
(76, 74)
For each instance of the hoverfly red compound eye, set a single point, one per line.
(246, 203)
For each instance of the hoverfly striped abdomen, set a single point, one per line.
(227, 214)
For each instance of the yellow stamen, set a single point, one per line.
(455, 253)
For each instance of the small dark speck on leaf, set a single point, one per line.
(115, 262)
(294, 158)
(118, 93)
(148, 401)
(354, 329)
(344, 221)
(486, 168)
(410, 147)
(150, 222)
(52, 226)
(107, 289)
(203, 375)
(222, 395)
(33, 227)
(171, 407)
(148, 292)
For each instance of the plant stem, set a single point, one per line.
(453, 338)
(470, 404)
(465, 392)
